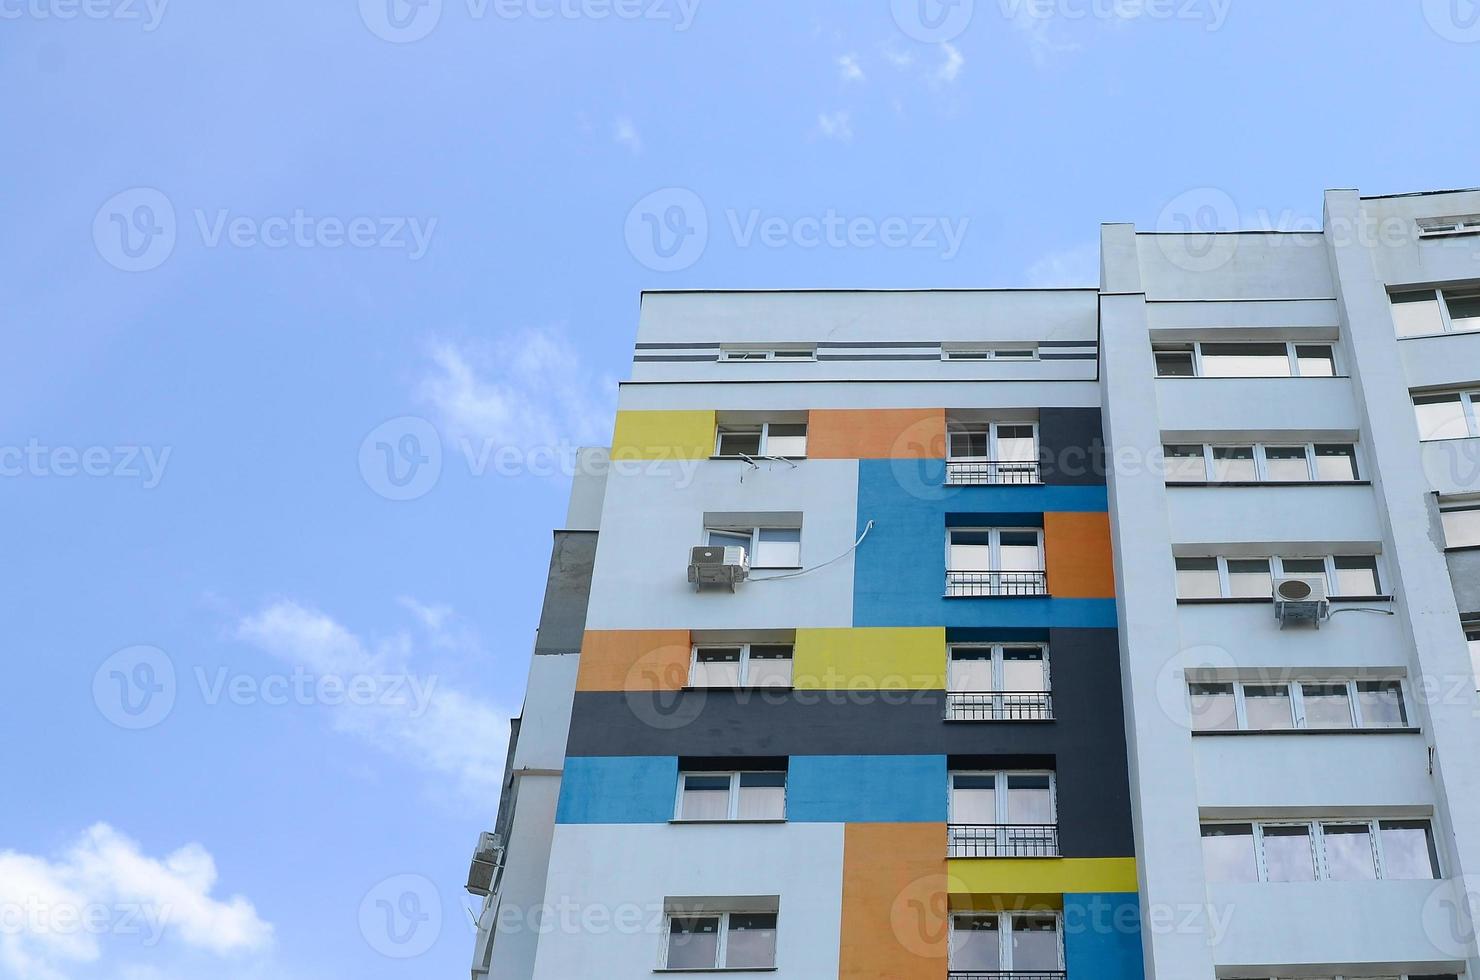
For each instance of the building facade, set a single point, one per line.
(1105, 633)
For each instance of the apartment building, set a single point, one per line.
(1099, 633)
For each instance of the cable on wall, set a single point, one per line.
(776, 578)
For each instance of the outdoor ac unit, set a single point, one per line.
(718, 566)
(486, 860)
(1300, 600)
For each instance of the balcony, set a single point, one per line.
(1006, 975)
(978, 584)
(982, 472)
(1002, 840)
(999, 706)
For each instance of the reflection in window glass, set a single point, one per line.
(976, 944)
(970, 443)
(1464, 310)
(1408, 850)
(1185, 464)
(1326, 705)
(1035, 943)
(1234, 464)
(1249, 578)
(1415, 314)
(1382, 704)
(1268, 707)
(1214, 708)
(751, 941)
(1197, 578)
(1287, 854)
(1174, 364)
(740, 441)
(693, 943)
(1228, 852)
(1336, 463)
(1441, 417)
(1357, 576)
(1286, 464)
(1349, 854)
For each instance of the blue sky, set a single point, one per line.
(252, 249)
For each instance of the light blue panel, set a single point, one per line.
(618, 789)
(1102, 936)
(867, 789)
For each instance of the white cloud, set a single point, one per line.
(104, 899)
(1040, 31)
(1077, 266)
(951, 64)
(529, 389)
(849, 68)
(626, 134)
(405, 709)
(901, 60)
(836, 126)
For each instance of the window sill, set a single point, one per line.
(1240, 600)
(1026, 595)
(1427, 442)
(1462, 548)
(1255, 377)
(717, 969)
(711, 823)
(1442, 333)
(1309, 731)
(1275, 483)
(750, 688)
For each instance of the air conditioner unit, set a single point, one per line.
(486, 860)
(1300, 600)
(718, 566)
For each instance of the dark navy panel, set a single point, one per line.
(1071, 446)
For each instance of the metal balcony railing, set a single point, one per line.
(999, 706)
(982, 472)
(1002, 840)
(996, 583)
(1007, 975)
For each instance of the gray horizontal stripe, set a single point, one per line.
(878, 357)
(1068, 343)
(882, 343)
(1069, 357)
(678, 346)
(676, 357)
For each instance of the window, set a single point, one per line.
(1346, 576)
(789, 353)
(1472, 637)
(780, 439)
(1002, 814)
(994, 562)
(1290, 705)
(721, 940)
(1245, 360)
(722, 796)
(992, 452)
(971, 352)
(998, 682)
(1449, 225)
(1260, 463)
(767, 547)
(1320, 850)
(1006, 942)
(741, 665)
(1451, 415)
(1461, 523)
(1431, 311)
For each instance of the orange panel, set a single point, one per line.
(633, 660)
(895, 900)
(883, 433)
(1077, 549)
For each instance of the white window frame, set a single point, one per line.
(1454, 506)
(1446, 225)
(785, 353)
(1277, 571)
(722, 945)
(998, 670)
(1261, 462)
(1446, 319)
(1000, 791)
(994, 451)
(988, 353)
(750, 549)
(1290, 353)
(1004, 934)
(764, 451)
(744, 667)
(1472, 642)
(1467, 401)
(1297, 703)
(1316, 835)
(733, 803)
(994, 557)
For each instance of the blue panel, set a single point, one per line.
(1102, 937)
(867, 789)
(618, 789)
(899, 570)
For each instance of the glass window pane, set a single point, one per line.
(1408, 850)
(1213, 708)
(970, 443)
(1464, 310)
(1185, 464)
(716, 667)
(778, 547)
(970, 670)
(1336, 463)
(1019, 551)
(1349, 854)
(971, 551)
(1035, 943)
(788, 439)
(976, 944)
(706, 798)
(1326, 705)
(1174, 364)
(1472, 637)
(1382, 704)
(729, 539)
(1286, 464)
(1418, 313)
(1267, 707)
(1245, 361)
(1197, 578)
(1029, 799)
(1022, 670)
(762, 796)
(1016, 444)
(1441, 417)
(740, 441)
(974, 799)
(1287, 854)
(751, 941)
(1228, 852)
(1462, 528)
(1303, 567)
(1315, 361)
(1357, 576)
(770, 666)
(693, 943)
(1234, 464)
(1249, 578)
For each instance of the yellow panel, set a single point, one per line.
(663, 435)
(873, 659)
(1039, 876)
